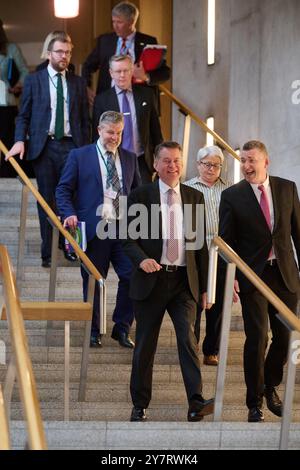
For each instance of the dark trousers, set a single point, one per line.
(146, 174)
(101, 254)
(211, 342)
(256, 311)
(48, 169)
(170, 293)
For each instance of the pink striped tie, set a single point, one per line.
(172, 242)
(264, 205)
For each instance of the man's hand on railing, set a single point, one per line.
(17, 148)
(204, 304)
(236, 290)
(71, 222)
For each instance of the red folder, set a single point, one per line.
(152, 56)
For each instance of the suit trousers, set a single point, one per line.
(101, 254)
(48, 168)
(213, 316)
(146, 174)
(258, 369)
(171, 292)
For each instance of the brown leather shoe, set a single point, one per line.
(211, 360)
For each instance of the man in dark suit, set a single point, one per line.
(124, 40)
(54, 114)
(142, 130)
(94, 178)
(258, 218)
(170, 273)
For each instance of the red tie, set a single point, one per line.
(123, 50)
(264, 205)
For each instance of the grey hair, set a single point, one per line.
(120, 58)
(111, 117)
(209, 151)
(126, 9)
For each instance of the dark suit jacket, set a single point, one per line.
(146, 114)
(80, 190)
(35, 112)
(143, 248)
(244, 228)
(106, 47)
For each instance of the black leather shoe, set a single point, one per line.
(123, 338)
(46, 262)
(199, 408)
(273, 401)
(95, 341)
(255, 415)
(138, 414)
(70, 256)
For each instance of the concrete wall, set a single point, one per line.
(249, 89)
(203, 88)
(265, 44)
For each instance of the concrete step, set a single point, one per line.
(111, 436)
(166, 393)
(116, 411)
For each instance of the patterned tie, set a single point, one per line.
(264, 205)
(112, 180)
(59, 117)
(127, 140)
(172, 243)
(124, 49)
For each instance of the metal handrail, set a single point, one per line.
(54, 219)
(4, 434)
(22, 360)
(287, 314)
(187, 111)
(287, 317)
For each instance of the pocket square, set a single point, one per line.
(144, 103)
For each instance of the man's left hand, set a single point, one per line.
(139, 73)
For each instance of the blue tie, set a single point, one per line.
(127, 140)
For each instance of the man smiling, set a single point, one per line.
(259, 218)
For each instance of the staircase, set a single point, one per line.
(101, 422)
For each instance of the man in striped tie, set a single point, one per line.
(94, 178)
(259, 218)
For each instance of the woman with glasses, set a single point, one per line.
(209, 182)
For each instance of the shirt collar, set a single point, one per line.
(219, 180)
(103, 150)
(52, 73)
(265, 183)
(119, 90)
(128, 38)
(164, 188)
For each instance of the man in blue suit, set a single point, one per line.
(94, 178)
(54, 114)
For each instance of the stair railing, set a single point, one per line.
(94, 276)
(189, 115)
(286, 316)
(20, 364)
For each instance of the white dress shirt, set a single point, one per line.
(52, 74)
(108, 208)
(258, 194)
(179, 224)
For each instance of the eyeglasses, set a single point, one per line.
(119, 72)
(213, 166)
(60, 52)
